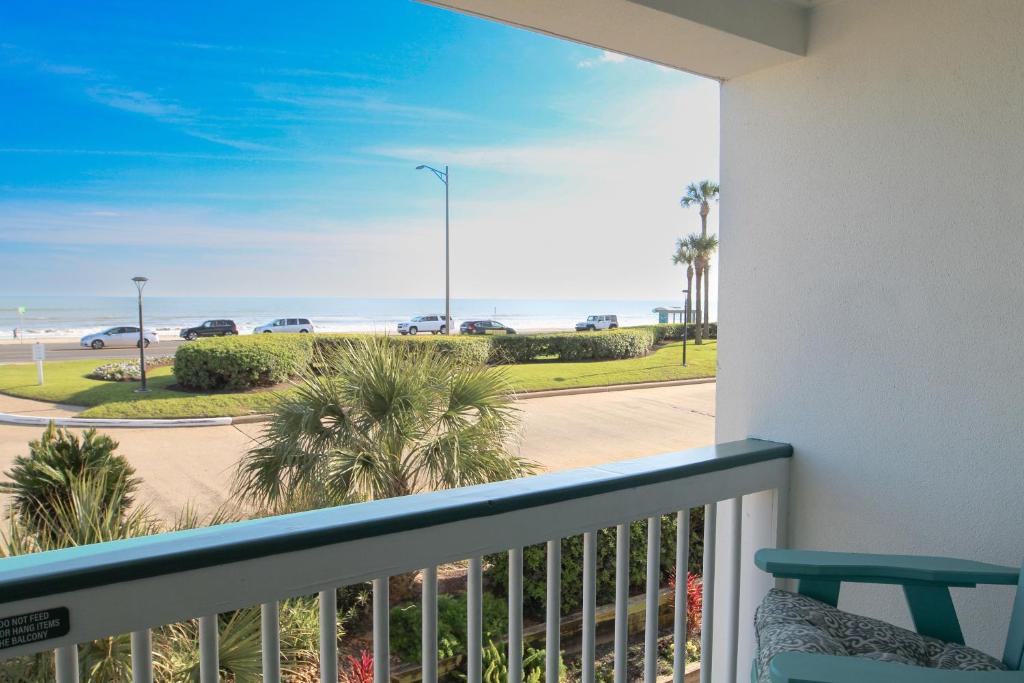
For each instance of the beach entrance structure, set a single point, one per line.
(670, 314)
(862, 142)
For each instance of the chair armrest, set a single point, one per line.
(804, 667)
(819, 565)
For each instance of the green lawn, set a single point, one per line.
(66, 382)
(664, 364)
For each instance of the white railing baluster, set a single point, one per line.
(428, 653)
(735, 546)
(381, 631)
(66, 661)
(270, 639)
(621, 602)
(515, 615)
(589, 605)
(474, 621)
(681, 598)
(209, 658)
(329, 636)
(142, 656)
(707, 619)
(553, 637)
(651, 609)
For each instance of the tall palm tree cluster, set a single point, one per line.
(695, 252)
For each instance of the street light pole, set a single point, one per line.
(443, 177)
(140, 284)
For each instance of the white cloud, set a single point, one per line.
(606, 57)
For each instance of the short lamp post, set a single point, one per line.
(685, 323)
(140, 284)
(443, 177)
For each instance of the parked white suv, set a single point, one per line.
(598, 322)
(434, 324)
(285, 325)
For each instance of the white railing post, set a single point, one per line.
(681, 603)
(329, 636)
(735, 549)
(381, 631)
(209, 657)
(589, 652)
(66, 661)
(515, 615)
(553, 636)
(474, 621)
(651, 608)
(142, 656)
(621, 602)
(428, 654)
(270, 638)
(708, 598)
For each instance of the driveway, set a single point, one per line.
(195, 465)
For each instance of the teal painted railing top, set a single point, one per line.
(58, 571)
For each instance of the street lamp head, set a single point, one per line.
(139, 278)
(420, 167)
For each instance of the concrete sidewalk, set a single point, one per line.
(182, 465)
(25, 406)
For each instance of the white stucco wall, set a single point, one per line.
(871, 192)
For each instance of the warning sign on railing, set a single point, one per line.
(34, 626)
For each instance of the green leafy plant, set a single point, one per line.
(495, 664)
(407, 626)
(381, 421)
(624, 342)
(535, 564)
(45, 479)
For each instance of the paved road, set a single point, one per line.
(195, 465)
(22, 353)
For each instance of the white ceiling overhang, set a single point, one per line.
(717, 38)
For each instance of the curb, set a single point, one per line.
(42, 421)
(613, 387)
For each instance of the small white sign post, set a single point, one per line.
(39, 355)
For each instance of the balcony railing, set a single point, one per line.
(135, 585)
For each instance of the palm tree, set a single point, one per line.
(684, 254)
(702, 194)
(379, 420)
(702, 246)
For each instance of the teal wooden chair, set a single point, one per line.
(803, 638)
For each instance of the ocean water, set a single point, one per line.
(74, 316)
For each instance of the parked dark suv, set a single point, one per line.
(211, 328)
(484, 327)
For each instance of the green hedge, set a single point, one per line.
(466, 350)
(571, 346)
(674, 331)
(535, 564)
(241, 362)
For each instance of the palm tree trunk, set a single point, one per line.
(689, 298)
(707, 306)
(697, 331)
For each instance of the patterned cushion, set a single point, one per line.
(788, 622)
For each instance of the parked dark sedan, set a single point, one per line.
(484, 327)
(210, 328)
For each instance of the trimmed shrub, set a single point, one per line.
(241, 362)
(467, 351)
(674, 331)
(535, 564)
(571, 346)
(519, 348)
(407, 626)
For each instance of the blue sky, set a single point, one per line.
(268, 148)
